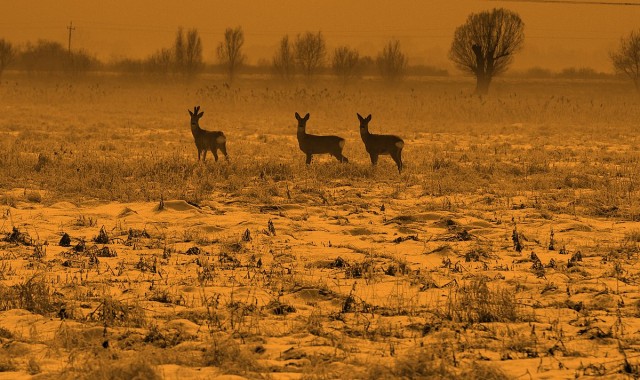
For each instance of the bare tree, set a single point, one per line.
(346, 63)
(230, 51)
(392, 62)
(284, 60)
(193, 53)
(626, 60)
(310, 53)
(7, 53)
(179, 51)
(485, 44)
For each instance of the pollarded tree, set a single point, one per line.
(346, 63)
(284, 60)
(230, 51)
(7, 54)
(626, 60)
(392, 62)
(310, 53)
(485, 44)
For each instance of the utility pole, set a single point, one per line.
(71, 29)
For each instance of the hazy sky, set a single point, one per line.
(557, 34)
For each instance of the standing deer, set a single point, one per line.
(381, 144)
(313, 144)
(207, 140)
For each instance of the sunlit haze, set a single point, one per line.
(558, 34)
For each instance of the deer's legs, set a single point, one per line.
(374, 158)
(340, 157)
(223, 149)
(397, 157)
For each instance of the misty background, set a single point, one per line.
(558, 35)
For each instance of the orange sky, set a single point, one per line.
(557, 35)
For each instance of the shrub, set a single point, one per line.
(477, 303)
(33, 295)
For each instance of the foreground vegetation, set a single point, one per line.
(506, 248)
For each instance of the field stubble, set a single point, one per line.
(509, 244)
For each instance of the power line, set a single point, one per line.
(574, 2)
(570, 38)
(371, 34)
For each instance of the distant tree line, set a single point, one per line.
(45, 56)
(484, 46)
(306, 55)
(566, 73)
(183, 58)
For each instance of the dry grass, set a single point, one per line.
(33, 295)
(262, 266)
(516, 141)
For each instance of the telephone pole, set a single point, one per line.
(71, 29)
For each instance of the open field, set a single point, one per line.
(508, 247)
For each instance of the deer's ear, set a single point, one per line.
(200, 114)
(360, 117)
(190, 113)
(306, 117)
(368, 118)
(298, 116)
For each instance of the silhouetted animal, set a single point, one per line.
(380, 144)
(313, 144)
(207, 140)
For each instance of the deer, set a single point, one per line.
(377, 145)
(314, 144)
(207, 140)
